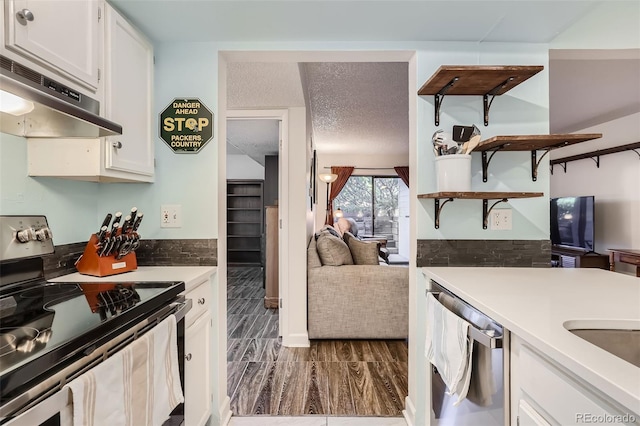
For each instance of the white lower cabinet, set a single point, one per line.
(197, 406)
(546, 393)
(197, 352)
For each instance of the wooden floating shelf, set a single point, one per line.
(530, 143)
(595, 155)
(483, 80)
(502, 197)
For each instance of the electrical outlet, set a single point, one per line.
(501, 220)
(171, 216)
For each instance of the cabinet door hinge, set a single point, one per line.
(280, 221)
(280, 303)
(99, 14)
(99, 74)
(154, 59)
(518, 421)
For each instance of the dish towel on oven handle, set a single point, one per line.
(139, 385)
(448, 347)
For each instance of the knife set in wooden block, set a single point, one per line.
(111, 251)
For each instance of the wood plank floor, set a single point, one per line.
(331, 377)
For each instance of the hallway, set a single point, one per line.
(331, 377)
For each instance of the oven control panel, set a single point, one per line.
(24, 236)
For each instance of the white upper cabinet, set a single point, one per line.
(63, 36)
(127, 81)
(128, 96)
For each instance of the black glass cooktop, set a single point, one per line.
(42, 324)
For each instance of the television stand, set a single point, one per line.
(563, 257)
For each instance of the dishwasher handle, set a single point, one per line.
(489, 337)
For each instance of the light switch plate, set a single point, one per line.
(171, 216)
(501, 220)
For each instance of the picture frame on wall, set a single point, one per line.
(313, 190)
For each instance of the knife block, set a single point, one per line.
(103, 266)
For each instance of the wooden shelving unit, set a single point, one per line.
(487, 81)
(502, 197)
(595, 155)
(245, 222)
(531, 143)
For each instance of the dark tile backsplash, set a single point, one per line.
(202, 252)
(514, 253)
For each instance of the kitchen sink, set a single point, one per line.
(620, 338)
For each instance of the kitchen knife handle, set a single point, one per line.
(134, 212)
(126, 225)
(136, 224)
(106, 221)
(116, 223)
(102, 233)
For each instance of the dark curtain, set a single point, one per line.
(403, 173)
(343, 176)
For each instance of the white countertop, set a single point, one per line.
(191, 275)
(534, 303)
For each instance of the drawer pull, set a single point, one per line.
(188, 357)
(201, 301)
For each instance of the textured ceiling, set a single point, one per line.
(534, 21)
(255, 138)
(263, 85)
(354, 107)
(359, 107)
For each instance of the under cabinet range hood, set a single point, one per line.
(33, 105)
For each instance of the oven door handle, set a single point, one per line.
(179, 309)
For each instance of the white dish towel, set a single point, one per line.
(137, 386)
(448, 347)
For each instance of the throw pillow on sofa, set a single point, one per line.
(327, 228)
(332, 250)
(363, 253)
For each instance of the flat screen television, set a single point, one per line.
(572, 222)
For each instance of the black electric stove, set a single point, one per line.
(46, 327)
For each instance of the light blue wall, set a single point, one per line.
(523, 110)
(70, 206)
(181, 71)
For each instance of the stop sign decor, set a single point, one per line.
(186, 125)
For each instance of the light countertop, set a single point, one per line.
(191, 275)
(534, 303)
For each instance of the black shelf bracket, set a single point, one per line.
(438, 209)
(438, 97)
(564, 166)
(486, 161)
(596, 160)
(486, 210)
(486, 102)
(535, 163)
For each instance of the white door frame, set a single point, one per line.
(282, 115)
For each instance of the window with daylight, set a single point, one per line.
(380, 206)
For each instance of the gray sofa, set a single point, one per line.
(356, 301)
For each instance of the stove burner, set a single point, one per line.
(49, 291)
(23, 339)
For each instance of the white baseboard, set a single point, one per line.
(298, 340)
(409, 412)
(224, 412)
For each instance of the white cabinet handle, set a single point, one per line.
(201, 301)
(188, 357)
(116, 144)
(25, 15)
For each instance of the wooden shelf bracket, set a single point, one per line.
(486, 102)
(438, 209)
(595, 155)
(486, 211)
(438, 98)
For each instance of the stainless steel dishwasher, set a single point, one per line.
(487, 402)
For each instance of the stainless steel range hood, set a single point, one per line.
(52, 109)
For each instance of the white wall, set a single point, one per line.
(243, 167)
(615, 184)
(610, 25)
